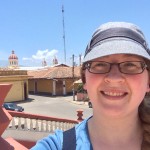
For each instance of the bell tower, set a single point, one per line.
(55, 61)
(13, 60)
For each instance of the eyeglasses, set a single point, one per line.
(128, 67)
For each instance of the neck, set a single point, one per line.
(115, 130)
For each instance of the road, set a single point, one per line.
(61, 107)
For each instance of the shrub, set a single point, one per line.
(80, 88)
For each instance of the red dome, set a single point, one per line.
(13, 55)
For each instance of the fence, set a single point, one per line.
(39, 123)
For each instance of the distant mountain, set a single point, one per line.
(3, 63)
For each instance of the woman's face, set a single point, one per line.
(115, 93)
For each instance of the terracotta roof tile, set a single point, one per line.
(56, 72)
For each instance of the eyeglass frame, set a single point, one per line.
(87, 66)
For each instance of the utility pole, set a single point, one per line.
(80, 59)
(63, 23)
(73, 90)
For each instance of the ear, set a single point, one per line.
(148, 87)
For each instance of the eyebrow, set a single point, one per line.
(130, 55)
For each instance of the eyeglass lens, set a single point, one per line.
(128, 67)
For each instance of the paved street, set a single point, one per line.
(61, 107)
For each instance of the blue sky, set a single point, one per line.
(33, 28)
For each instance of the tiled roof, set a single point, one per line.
(5, 69)
(55, 72)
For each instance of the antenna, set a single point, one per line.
(63, 22)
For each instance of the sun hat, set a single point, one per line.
(117, 38)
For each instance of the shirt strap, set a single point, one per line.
(69, 139)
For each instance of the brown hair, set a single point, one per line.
(82, 72)
(144, 114)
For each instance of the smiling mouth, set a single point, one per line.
(114, 94)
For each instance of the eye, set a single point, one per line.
(131, 65)
(98, 64)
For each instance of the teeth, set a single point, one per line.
(114, 93)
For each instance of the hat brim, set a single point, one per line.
(119, 46)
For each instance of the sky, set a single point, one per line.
(34, 28)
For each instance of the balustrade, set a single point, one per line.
(28, 128)
(39, 123)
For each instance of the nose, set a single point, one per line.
(114, 75)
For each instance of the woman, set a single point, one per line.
(115, 73)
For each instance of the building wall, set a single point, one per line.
(45, 86)
(19, 89)
(69, 85)
(59, 87)
(16, 92)
(31, 85)
(42, 86)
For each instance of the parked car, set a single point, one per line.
(13, 107)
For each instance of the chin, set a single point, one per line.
(114, 111)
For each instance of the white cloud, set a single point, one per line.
(24, 58)
(41, 54)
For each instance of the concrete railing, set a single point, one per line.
(28, 128)
(39, 123)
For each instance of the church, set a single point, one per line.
(55, 80)
(18, 79)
